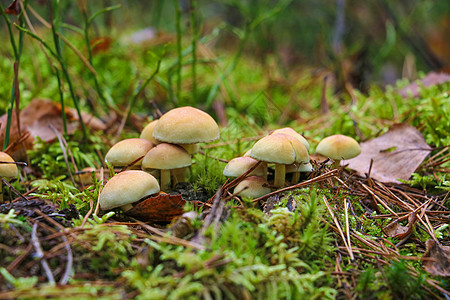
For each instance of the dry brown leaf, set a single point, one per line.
(439, 265)
(399, 231)
(160, 208)
(396, 154)
(36, 118)
(431, 79)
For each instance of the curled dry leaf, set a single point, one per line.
(439, 265)
(13, 8)
(397, 230)
(395, 154)
(160, 208)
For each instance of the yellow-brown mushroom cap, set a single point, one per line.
(186, 125)
(166, 157)
(127, 187)
(126, 151)
(7, 170)
(279, 148)
(239, 165)
(338, 147)
(252, 187)
(293, 133)
(147, 132)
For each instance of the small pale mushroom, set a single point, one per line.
(85, 175)
(338, 147)
(252, 187)
(147, 132)
(7, 170)
(296, 169)
(186, 126)
(126, 188)
(280, 149)
(239, 165)
(127, 151)
(293, 133)
(166, 158)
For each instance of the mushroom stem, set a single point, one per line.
(178, 175)
(280, 175)
(336, 164)
(126, 207)
(296, 177)
(165, 180)
(265, 169)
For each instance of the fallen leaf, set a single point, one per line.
(36, 117)
(431, 79)
(397, 230)
(160, 208)
(395, 154)
(13, 8)
(439, 265)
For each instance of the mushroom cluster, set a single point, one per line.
(287, 151)
(164, 150)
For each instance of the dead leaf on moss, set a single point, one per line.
(439, 265)
(397, 230)
(160, 208)
(431, 79)
(395, 154)
(36, 117)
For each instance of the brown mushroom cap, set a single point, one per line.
(279, 148)
(126, 151)
(338, 147)
(252, 187)
(186, 125)
(293, 133)
(239, 165)
(7, 170)
(166, 157)
(147, 132)
(127, 187)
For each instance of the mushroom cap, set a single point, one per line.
(292, 132)
(126, 151)
(85, 178)
(338, 147)
(127, 187)
(303, 167)
(166, 157)
(147, 132)
(247, 153)
(186, 125)
(279, 148)
(252, 187)
(239, 165)
(7, 170)
(191, 148)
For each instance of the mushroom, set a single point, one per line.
(126, 188)
(297, 169)
(338, 147)
(252, 187)
(127, 151)
(186, 126)
(281, 149)
(85, 175)
(239, 165)
(8, 169)
(167, 157)
(293, 133)
(147, 132)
